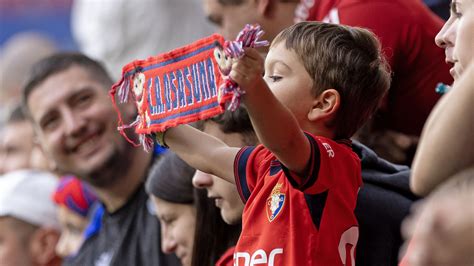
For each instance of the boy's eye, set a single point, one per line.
(274, 78)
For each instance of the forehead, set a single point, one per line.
(278, 53)
(9, 224)
(164, 207)
(58, 88)
(7, 230)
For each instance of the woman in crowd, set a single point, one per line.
(448, 131)
(442, 229)
(187, 216)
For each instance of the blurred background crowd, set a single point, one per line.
(57, 207)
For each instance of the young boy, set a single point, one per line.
(321, 83)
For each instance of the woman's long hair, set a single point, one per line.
(212, 236)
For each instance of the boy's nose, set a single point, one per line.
(202, 180)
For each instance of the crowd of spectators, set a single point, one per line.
(73, 191)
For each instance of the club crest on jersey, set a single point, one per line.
(275, 202)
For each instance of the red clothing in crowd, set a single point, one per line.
(406, 29)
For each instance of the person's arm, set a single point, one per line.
(447, 141)
(275, 126)
(202, 151)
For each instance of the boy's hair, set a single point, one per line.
(58, 63)
(347, 59)
(237, 121)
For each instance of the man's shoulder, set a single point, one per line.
(130, 236)
(87, 254)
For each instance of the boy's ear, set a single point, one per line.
(325, 105)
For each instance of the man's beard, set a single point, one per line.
(114, 169)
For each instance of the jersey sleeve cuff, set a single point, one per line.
(311, 174)
(240, 172)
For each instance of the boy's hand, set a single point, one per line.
(248, 70)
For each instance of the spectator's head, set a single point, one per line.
(16, 142)
(235, 130)
(337, 76)
(28, 224)
(117, 32)
(75, 122)
(457, 36)
(170, 186)
(75, 201)
(232, 15)
(17, 55)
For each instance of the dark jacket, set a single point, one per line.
(383, 202)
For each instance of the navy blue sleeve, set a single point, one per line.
(240, 172)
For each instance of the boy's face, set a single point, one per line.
(289, 81)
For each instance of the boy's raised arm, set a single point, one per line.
(202, 151)
(276, 127)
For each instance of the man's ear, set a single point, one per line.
(325, 105)
(43, 245)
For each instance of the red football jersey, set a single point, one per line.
(292, 220)
(227, 259)
(406, 29)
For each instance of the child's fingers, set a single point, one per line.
(247, 61)
(237, 76)
(247, 66)
(253, 54)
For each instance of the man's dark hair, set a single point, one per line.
(347, 59)
(58, 63)
(237, 121)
